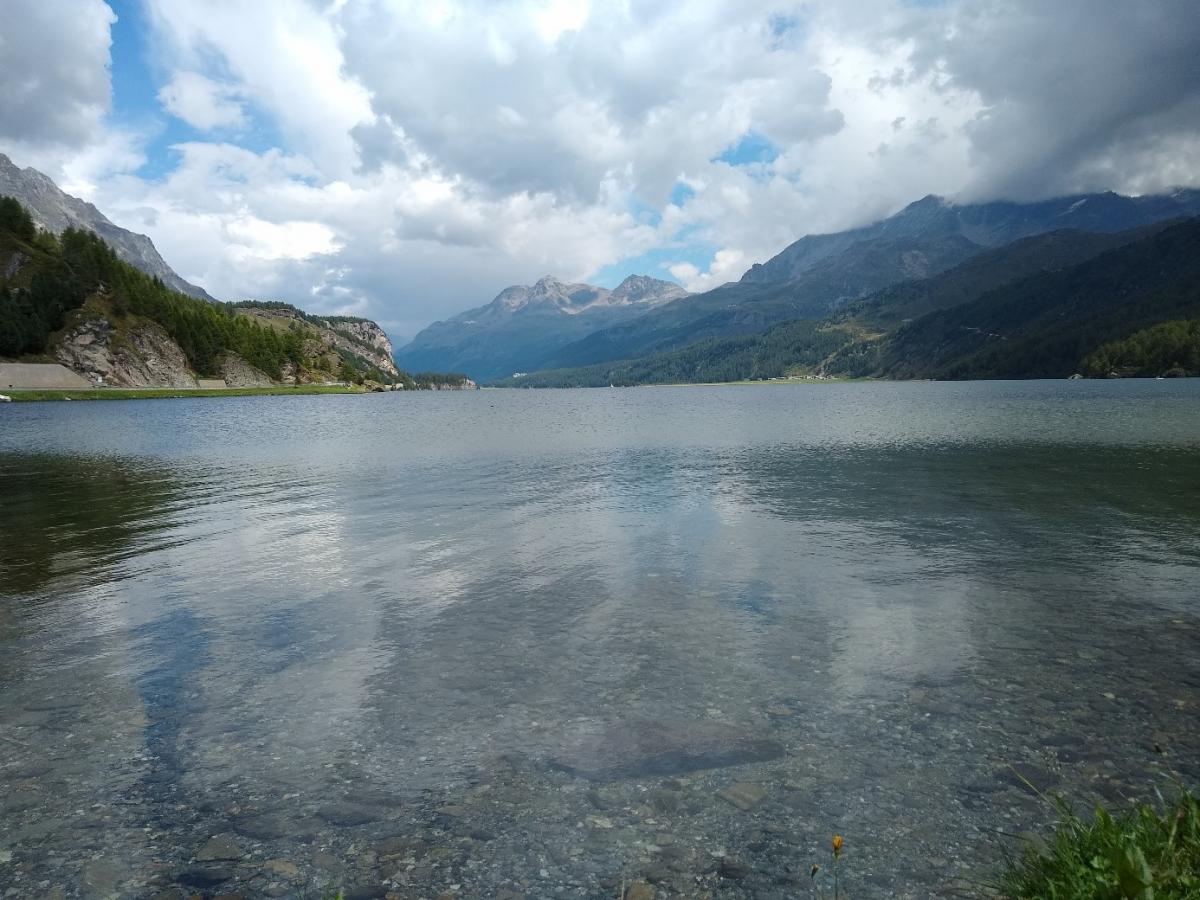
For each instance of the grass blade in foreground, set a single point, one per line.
(1143, 854)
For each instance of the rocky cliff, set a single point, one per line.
(55, 210)
(332, 336)
(140, 356)
(108, 348)
(365, 338)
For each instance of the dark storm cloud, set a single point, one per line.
(1076, 95)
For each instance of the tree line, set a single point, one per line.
(1171, 349)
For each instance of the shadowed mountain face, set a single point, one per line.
(985, 224)
(1034, 307)
(819, 274)
(748, 307)
(55, 210)
(526, 323)
(1043, 327)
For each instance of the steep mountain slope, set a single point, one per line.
(71, 299)
(752, 306)
(523, 324)
(800, 343)
(55, 211)
(1044, 326)
(820, 273)
(360, 338)
(893, 306)
(851, 339)
(986, 224)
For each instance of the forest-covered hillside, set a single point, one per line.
(1035, 308)
(72, 287)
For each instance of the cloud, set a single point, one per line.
(54, 55)
(726, 265)
(636, 93)
(1074, 96)
(201, 102)
(408, 159)
(284, 56)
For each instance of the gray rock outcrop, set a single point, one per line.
(239, 373)
(365, 338)
(143, 357)
(16, 262)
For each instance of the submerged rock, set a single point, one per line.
(204, 876)
(637, 749)
(220, 847)
(348, 814)
(743, 795)
(282, 868)
(102, 877)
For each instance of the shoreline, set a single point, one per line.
(36, 395)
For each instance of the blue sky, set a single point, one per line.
(138, 74)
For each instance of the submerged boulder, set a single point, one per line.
(638, 749)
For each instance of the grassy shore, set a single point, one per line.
(25, 396)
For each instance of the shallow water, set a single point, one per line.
(522, 641)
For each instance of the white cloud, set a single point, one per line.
(54, 56)
(283, 55)
(434, 152)
(201, 102)
(726, 265)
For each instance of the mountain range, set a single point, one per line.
(812, 279)
(1038, 307)
(54, 210)
(525, 323)
(939, 289)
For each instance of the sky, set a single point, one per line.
(407, 159)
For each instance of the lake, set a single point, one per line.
(540, 644)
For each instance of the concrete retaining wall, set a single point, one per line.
(40, 376)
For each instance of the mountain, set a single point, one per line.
(820, 274)
(1044, 326)
(749, 307)
(868, 336)
(70, 299)
(525, 323)
(55, 211)
(985, 224)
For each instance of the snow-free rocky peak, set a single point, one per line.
(646, 290)
(573, 298)
(524, 323)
